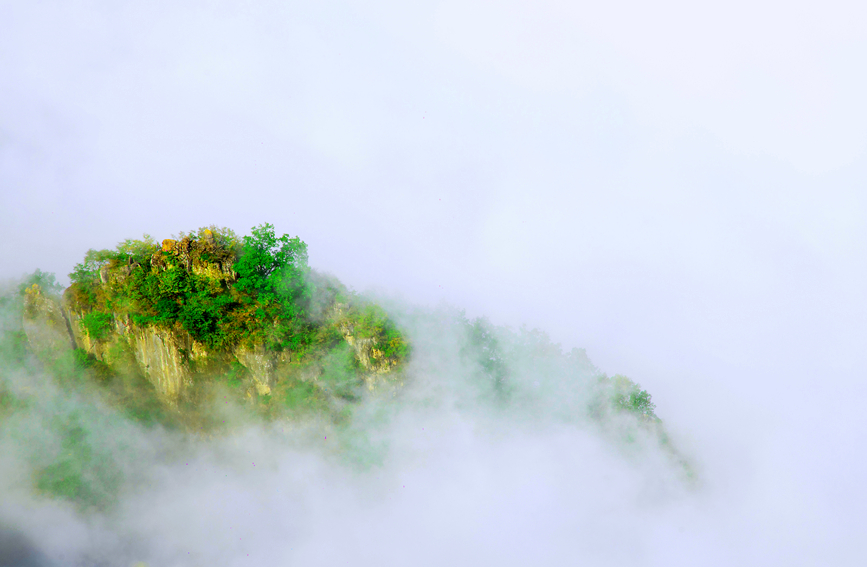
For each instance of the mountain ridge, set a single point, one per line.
(207, 331)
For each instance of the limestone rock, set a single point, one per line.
(165, 357)
(260, 363)
(45, 325)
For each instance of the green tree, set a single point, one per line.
(46, 281)
(630, 397)
(272, 267)
(88, 271)
(96, 324)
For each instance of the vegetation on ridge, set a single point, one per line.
(233, 296)
(221, 289)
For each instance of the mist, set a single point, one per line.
(678, 190)
(460, 463)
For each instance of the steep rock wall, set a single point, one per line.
(164, 357)
(45, 326)
(168, 356)
(375, 364)
(261, 364)
(80, 339)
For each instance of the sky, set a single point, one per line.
(676, 187)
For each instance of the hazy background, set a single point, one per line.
(677, 187)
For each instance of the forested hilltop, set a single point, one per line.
(162, 325)
(208, 329)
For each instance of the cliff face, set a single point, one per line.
(53, 329)
(372, 359)
(261, 364)
(46, 325)
(208, 305)
(168, 356)
(160, 355)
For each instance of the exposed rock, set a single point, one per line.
(168, 356)
(45, 325)
(363, 348)
(80, 338)
(203, 257)
(370, 358)
(261, 363)
(164, 356)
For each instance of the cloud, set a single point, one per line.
(766, 78)
(444, 469)
(634, 179)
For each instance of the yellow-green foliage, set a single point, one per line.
(371, 321)
(189, 283)
(298, 396)
(80, 473)
(226, 292)
(186, 282)
(628, 396)
(8, 403)
(96, 324)
(86, 361)
(221, 289)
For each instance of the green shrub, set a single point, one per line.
(147, 410)
(371, 321)
(96, 324)
(483, 349)
(202, 314)
(13, 346)
(225, 291)
(299, 396)
(87, 361)
(87, 273)
(272, 267)
(340, 372)
(628, 396)
(159, 286)
(46, 281)
(236, 375)
(79, 474)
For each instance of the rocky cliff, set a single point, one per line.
(177, 312)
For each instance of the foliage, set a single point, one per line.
(236, 375)
(80, 473)
(220, 289)
(272, 267)
(136, 250)
(483, 348)
(89, 362)
(147, 410)
(201, 315)
(340, 372)
(221, 237)
(46, 281)
(96, 324)
(371, 321)
(164, 289)
(298, 396)
(629, 397)
(226, 292)
(81, 296)
(87, 272)
(261, 302)
(9, 403)
(13, 346)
